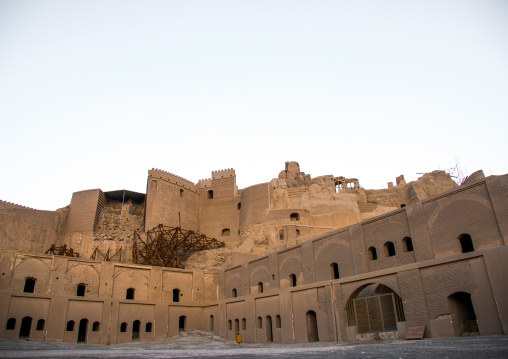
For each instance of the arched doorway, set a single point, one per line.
(181, 323)
(135, 330)
(312, 327)
(269, 331)
(83, 325)
(463, 315)
(374, 308)
(24, 330)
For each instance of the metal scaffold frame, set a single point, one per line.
(168, 246)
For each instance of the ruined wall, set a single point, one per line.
(28, 229)
(430, 184)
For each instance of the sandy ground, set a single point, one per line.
(203, 345)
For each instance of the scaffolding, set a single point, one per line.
(169, 246)
(62, 251)
(108, 256)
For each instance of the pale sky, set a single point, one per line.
(93, 94)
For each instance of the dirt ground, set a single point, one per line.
(204, 345)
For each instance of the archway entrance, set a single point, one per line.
(135, 330)
(181, 323)
(269, 332)
(24, 330)
(83, 325)
(374, 308)
(312, 328)
(463, 315)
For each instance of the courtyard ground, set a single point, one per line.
(203, 345)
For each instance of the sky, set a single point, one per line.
(93, 94)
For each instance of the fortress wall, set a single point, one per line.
(27, 229)
(446, 271)
(172, 201)
(220, 212)
(156, 173)
(497, 187)
(255, 204)
(466, 210)
(425, 278)
(55, 297)
(83, 210)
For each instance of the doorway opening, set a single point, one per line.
(135, 330)
(374, 308)
(463, 315)
(181, 323)
(26, 325)
(312, 327)
(83, 325)
(269, 331)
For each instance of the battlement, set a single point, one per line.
(223, 173)
(5, 204)
(205, 183)
(170, 177)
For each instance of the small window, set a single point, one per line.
(181, 193)
(70, 326)
(292, 280)
(29, 285)
(176, 295)
(294, 216)
(372, 254)
(260, 322)
(96, 326)
(210, 194)
(130, 293)
(123, 327)
(239, 206)
(389, 249)
(40, 324)
(80, 292)
(237, 325)
(466, 243)
(234, 294)
(230, 325)
(334, 269)
(226, 232)
(407, 244)
(402, 205)
(277, 322)
(244, 324)
(297, 232)
(154, 184)
(260, 287)
(281, 234)
(148, 327)
(11, 324)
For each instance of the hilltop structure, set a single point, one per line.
(304, 259)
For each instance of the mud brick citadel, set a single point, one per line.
(292, 260)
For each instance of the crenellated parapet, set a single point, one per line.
(5, 204)
(230, 172)
(205, 183)
(156, 173)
